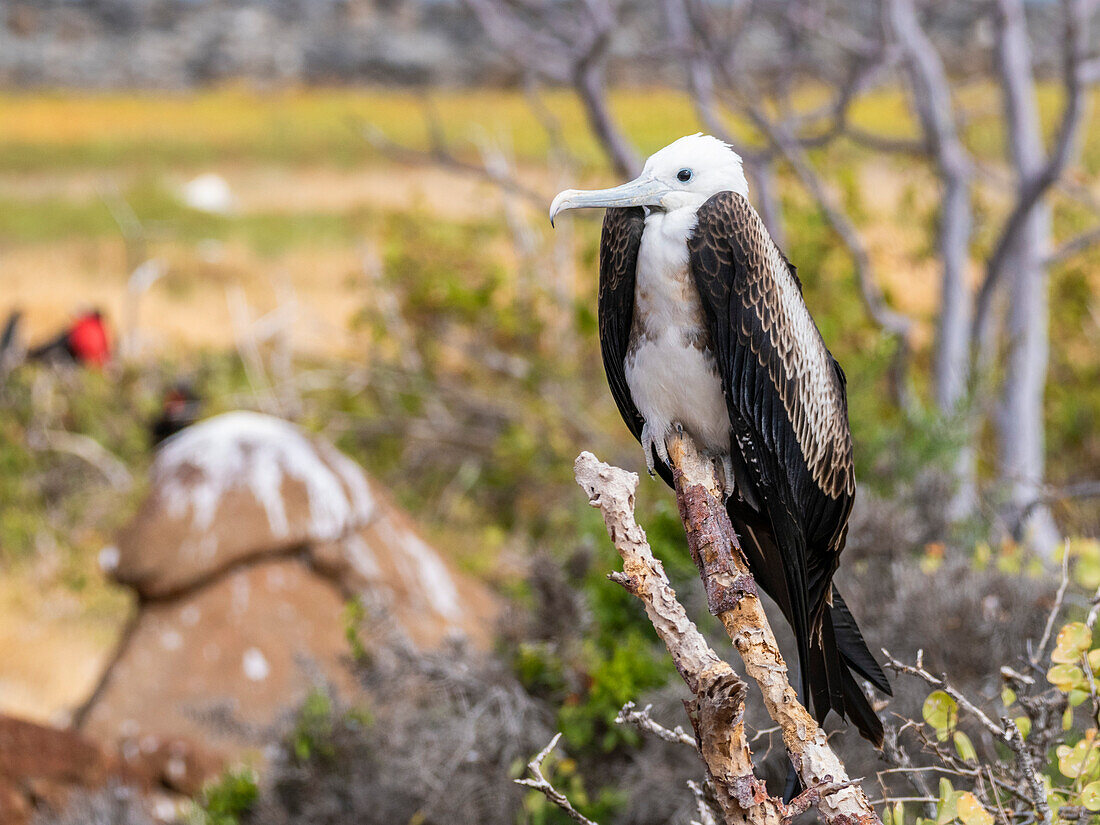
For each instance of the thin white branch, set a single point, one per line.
(643, 721)
(1059, 598)
(543, 786)
(88, 450)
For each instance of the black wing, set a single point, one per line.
(788, 410)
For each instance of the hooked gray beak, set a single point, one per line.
(642, 191)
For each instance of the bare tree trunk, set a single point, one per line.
(1020, 428)
(953, 346)
(931, 96)
(593, 94)
(762, 175)
(700, 80)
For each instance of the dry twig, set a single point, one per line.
(1006, 732)
(88, 450)
(541, 784)
(643, 721)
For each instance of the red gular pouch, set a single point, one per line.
(88, 341)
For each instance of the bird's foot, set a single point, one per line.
(729, 485)
(652, 443)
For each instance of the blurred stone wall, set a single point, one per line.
(164, 44)
(104, 44)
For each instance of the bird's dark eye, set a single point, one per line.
(684, 175)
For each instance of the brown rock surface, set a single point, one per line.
(230, 488)
(225, 665)
(253, 538)
(388, 563)
(40, 766)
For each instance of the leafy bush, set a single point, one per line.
(231, 797)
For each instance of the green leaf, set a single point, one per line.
(941, 712)
(971, 811)
(1024, 724)
(1090, 796)
(1082, 760)
(1077, 697)
(1074, 640)
(1008, 697)
(948, 807)
(1094, 661)
(964, 747)
(1066, 677)
(946, 811)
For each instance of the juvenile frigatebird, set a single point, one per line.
(703, 326)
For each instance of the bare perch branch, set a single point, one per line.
(716, 711)
(733, 597)
(543, 786)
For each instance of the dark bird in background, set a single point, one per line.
(181, 408)
(85, 341)
(703, 326)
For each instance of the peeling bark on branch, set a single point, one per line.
(733, 598)
(717, 708)
(717, 711)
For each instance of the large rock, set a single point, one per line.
(235, 486)
(225, 665)
(246, 551)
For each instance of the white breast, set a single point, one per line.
(670, 370)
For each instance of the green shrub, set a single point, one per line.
(225, 801)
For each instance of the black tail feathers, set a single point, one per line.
(852, 647)
(827, 677)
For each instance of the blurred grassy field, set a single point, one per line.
(309, 194)
(48, 132)
(309, 189)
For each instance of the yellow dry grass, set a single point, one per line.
(190, 308)
(52, 647)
